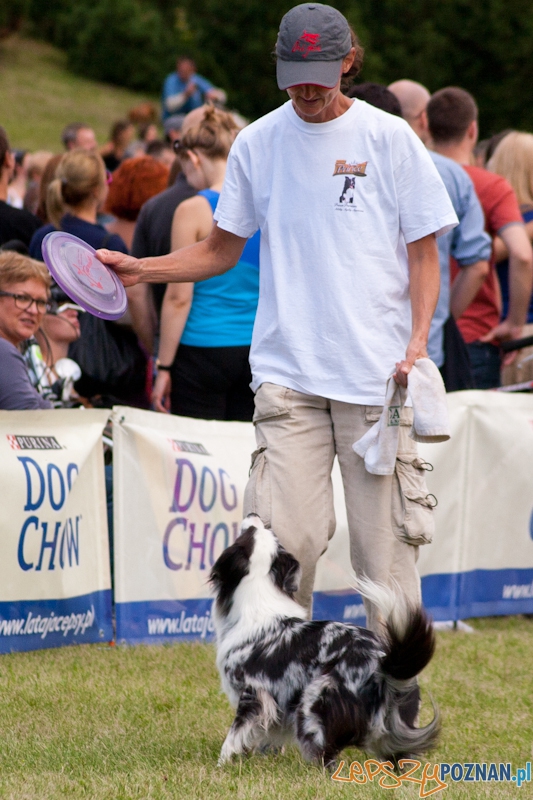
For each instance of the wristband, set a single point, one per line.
(160, 366)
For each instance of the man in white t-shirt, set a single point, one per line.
(347, 292)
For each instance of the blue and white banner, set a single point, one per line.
(55, 582)
(178, 504)
(481, 560)
(179, 486)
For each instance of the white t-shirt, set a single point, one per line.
(334, 314)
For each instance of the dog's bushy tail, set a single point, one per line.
(409, 644)
(409, 632)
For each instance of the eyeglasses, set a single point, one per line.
(25, 301)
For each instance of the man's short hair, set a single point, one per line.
(70, 133)
(376, 95)
(450, 112)
(182, 59)
(156, 148)
(4, 146)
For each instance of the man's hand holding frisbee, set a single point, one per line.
(128, 268)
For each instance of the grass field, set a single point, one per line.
(39, 96)
(148, 722)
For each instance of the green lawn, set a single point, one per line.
(148, 722)
(39, 96)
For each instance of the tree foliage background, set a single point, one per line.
(485, 46)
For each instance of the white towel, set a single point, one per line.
(430, 409)
(379, 445)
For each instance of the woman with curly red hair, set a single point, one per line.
(134, 182)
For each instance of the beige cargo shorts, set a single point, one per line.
(290, 488)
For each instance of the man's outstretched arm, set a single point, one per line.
(215, 255)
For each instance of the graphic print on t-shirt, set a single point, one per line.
(349, 171)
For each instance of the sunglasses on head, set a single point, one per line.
(180, 148)
(56, 309)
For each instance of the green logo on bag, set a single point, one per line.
(394, 416)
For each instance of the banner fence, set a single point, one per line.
(178, 493)
(55, 580)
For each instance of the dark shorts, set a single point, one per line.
(212, 383)
(485, 363)
(456, 370)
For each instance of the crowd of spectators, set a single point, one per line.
(152, 188)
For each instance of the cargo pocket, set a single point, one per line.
(271, 401)
(372, 414)
(412, 505)
(258, 495)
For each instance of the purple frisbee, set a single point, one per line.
(74, 266)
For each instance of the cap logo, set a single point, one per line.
(307, 43)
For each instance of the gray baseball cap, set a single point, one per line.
(313, 40)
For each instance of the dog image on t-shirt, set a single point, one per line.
(349, 190)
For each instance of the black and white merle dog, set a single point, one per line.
(325, 685)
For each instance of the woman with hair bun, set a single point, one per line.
(206, 328)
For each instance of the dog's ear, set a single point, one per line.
(231, 567)
(286, 572)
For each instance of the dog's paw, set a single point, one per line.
(225, 755)
(228, 751)
(223, 759)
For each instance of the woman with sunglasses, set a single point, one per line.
(24, 289)
(206, 328)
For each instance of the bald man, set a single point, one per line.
(467, 243)
(413, 98)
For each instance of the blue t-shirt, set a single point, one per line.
(95, 235)
(502, 269)
(174, 85)
(223, 308)
(467, 243)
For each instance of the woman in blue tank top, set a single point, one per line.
(206, 327)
